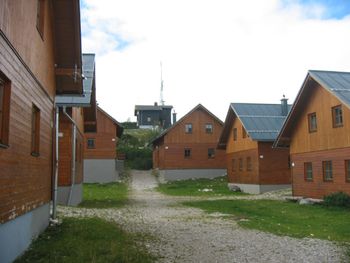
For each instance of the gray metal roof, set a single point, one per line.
(152, 107)
(88, 81)
(261, 121)
(338, 83)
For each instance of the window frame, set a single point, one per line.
(249, 165)
(35, 131)
(188, 128)
(91, 146)
(347, 171)
(244, 133)
(187, 153)
(334, 116)
(5, 111)
(207, 129)
(310, 123)
(306, 172)
(40, 17)
(326, 169)
(234, 134)
(240, 164)
(211, 155)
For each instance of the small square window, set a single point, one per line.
(35, 131)
(188, 128)
(233, 168)
(312, 122)
(337, 115)
(327, 171)
(308, 171)
(244, 133)
(187, 153)
(148, 119)
(249, 163)
(240, 164)
(347, 170)
(91, 143)
(211, 153)
(235, 134)
(209, 128)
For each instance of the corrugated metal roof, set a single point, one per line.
(338, 83)
(261, 121)
(85, 99)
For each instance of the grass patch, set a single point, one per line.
(104, 195)
(86, 240)
(197, 187)
(284, 218)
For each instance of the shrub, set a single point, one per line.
(339, 199)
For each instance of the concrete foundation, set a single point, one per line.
(63, 195)
(17, 234)
(100, 171)
(259, 189)
(183, 174)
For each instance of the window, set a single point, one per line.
(211, 153)
(40, 17)
(35, 131)
(148, 119)
(233, 168)
(5, 92)
(187, 153)
(337, 115)
(308, 171)
(327, 171)
(312, 122)
(249, 163)
(240, 164)
(244, 133)
(91, 143)
(235, 134)
(347, 170)
(209, 128)
(188, 128)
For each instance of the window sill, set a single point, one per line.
(4, 146)
(327, 181)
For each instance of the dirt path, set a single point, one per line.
(185, 234)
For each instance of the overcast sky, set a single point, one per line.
(213, 52)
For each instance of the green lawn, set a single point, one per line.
(86, 240)
(104, 195)
(197, 187)
(284, 218)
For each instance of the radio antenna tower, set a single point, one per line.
(161, 85)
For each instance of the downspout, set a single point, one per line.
(74, 136)
(54, 199)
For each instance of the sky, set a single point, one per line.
(213, 52)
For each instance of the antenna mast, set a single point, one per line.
(161, 85)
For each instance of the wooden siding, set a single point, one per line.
(105, 147)
(25, 180)
(18, 23)
(317, 188)
(65, 153)
(326, 137)
(274, 166)
(169, 152)
(241, 144)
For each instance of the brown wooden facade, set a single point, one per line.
(315, 147)
(103, 141)
(169, 148)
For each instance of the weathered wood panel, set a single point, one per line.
(18, 23)
(317, 188)
(326, 137)
(105, 139)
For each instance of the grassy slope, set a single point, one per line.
(195, 187)
(285, 218)
(104, 195)
(86, 240)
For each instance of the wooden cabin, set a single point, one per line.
(39, 41)
(100, 153)
(76, 112)
(188, 148)
(248, 134)
(316, 132)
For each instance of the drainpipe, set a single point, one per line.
(54, 199)
(74, 136)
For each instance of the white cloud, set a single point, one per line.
(213, 52)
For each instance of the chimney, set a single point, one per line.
(156, 104)
(174, 117)
(284, 106)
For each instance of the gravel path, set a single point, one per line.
(185, 234)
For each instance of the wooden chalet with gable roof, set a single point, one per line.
(317, 133)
